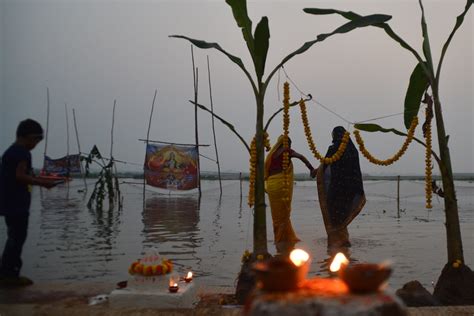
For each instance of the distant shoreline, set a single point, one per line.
(298, 176)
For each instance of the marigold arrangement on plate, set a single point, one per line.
(145, 269)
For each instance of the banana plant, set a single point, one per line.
(425, 76)
(258, 45)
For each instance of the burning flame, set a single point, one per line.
(189, 275)
(338, 261)
(173, 281)
(299, 257)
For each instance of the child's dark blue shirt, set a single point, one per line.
(15, 197)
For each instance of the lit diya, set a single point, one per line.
(173, 284)
(189, 277)
(282, 273)
(361, 277)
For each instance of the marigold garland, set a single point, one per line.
(391, 160)
(307, 130)
(428, 167)
(286, 145)
(137, 267)
(253, 166)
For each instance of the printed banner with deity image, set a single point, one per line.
(62, 166)
(171, 167)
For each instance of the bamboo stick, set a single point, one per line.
(112, 131)
(147, 141)
(196, 133)
(47, 129)
(398, 196)
(67, 142)
(213, 127)
(79, 148)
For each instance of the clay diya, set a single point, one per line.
(282, 273)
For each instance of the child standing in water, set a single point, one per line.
(16, 179)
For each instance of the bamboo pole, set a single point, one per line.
(79, 148)
(47, 129)
(147, 141)
(112, 131)
(67, 142)
(196, 133)
(213, 127)
(398, 196)
(240, 180)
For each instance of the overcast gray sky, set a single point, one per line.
(91, 52)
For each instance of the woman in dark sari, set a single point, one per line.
(340, 190)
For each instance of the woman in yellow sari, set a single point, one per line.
(285, 237)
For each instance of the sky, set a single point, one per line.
(90, 53)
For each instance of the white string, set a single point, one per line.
(332, 111)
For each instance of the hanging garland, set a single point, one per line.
(253, 166)
(428, 167)
(389, 161)
(307, 130)
(286, 145)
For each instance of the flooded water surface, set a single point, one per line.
(67, 241)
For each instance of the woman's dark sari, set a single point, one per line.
(340, 190)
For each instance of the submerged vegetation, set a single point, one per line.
(107, 184)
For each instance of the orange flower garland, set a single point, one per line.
(138, 268)
(253, 166)
(428, 167)
(389, 161)
(286, 145)
(307, 130)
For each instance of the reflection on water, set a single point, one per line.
(66, 241)
(171, 225)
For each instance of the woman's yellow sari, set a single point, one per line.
(285, 236)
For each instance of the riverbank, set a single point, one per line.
(72, 298)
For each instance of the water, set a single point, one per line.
(67, 241)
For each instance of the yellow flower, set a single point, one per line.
(397, 155)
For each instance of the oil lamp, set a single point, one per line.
(189, 277)
(361, 277)
(173, 284)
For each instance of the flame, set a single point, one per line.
(338, 261)
(173, 281)
(299, 257)
(190, 275)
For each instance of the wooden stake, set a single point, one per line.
(79, 148)
(240, 180)
(67, 142)
(47, 129)
(398, 196)
(147, 140)
(213, 127)
(196, 133)
(112, 131)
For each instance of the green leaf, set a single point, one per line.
(347, 14)
(356, 23)
(426, 39)
(262, 36)
(377, 128)
(239, 10)
(416, 88)
(459, 21)
(352, 16)
(364, 21)
(206, 45)
(360, 22)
